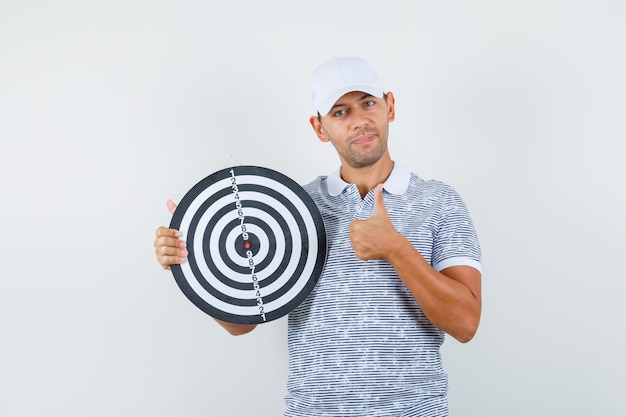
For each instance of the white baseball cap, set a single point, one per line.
(339, 76)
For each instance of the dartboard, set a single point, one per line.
(256, 243)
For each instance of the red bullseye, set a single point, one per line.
(246, 245)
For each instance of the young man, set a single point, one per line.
(403, 267)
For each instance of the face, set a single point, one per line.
(358, 127)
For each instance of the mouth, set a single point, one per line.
(364, 140)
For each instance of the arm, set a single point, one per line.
(171, 249)
(450, 299)
(236, 329)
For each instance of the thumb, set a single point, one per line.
(171, 206)
(379, 201)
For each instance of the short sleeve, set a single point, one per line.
(456, 241)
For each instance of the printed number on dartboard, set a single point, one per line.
(245, 236)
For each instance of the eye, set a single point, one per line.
(369, 103)
(339, 113)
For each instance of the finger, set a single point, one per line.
(379, 201)
(164, 251)
(167, 261)
(169, 255)
(171, 242)
(171, 206)
(355, 226)
(163, 231)
(167, 250)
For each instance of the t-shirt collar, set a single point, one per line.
(397, 183)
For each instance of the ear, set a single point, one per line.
(391, 111)
(317, 127)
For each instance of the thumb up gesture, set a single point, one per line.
(373, 238)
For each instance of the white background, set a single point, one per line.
(107, 109)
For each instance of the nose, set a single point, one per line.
(359, 119)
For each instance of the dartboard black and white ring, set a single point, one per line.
(256, 243)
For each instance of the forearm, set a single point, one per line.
(236, 329)
(450, 299)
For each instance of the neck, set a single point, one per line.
(367, 178)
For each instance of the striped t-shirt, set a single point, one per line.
(360, 345)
